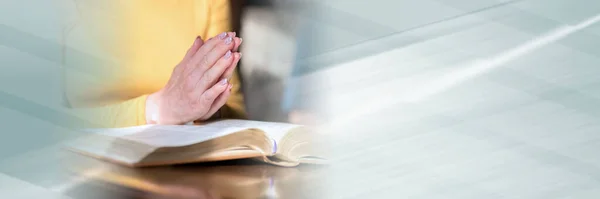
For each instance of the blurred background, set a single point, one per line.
(461, 98)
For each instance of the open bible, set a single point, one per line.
(152, 145)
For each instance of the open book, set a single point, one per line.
(151, 145)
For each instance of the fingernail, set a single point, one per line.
(228, 40)
(228, 54)
(234, 34)
(222, 35)
(230, 86)
(240, 55)
(223, 81)
(241, 40)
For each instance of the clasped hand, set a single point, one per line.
(199, 85)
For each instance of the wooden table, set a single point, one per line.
(51, 172)
(229, 179)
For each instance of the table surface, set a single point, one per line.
(228, 179)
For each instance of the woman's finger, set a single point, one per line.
(212, 75)
(211, 57)
(209, 96)
(184, 67)
(237, 42)
(193, 49)
(218, 103)
(220, 43)
(229, 72)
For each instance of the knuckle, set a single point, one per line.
(207, 78)
(205, 63)
(192, 79)
(207, 97)
(194, 102)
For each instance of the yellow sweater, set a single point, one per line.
(122, 51)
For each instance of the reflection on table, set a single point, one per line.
(230, 179)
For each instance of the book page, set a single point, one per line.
(274, 130)
(169, 135)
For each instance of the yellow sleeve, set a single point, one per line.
(123, 114)
(86, 96)
(219, 17)
(83, 76)
(220, 21)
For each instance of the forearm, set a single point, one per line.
(127, 113)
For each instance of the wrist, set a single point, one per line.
(152, 108)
